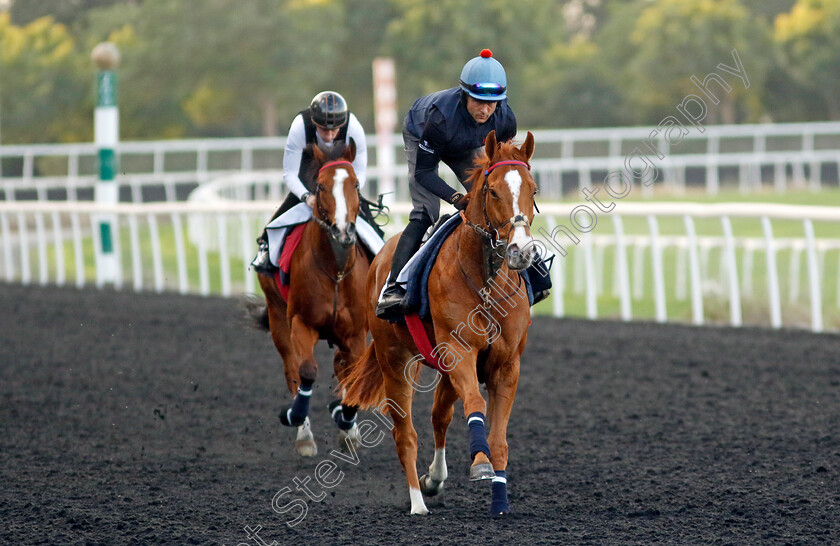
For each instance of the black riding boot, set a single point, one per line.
(390, 304)
(262, 262)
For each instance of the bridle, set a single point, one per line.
(333, 232)
(331, 229)
(491, 233)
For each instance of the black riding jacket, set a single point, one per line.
(448, 133)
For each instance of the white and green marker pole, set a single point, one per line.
(106, 130)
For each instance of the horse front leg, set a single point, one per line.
(303, 340)
(501, 387)
(442, 410)
(465, 382)
(348, 351)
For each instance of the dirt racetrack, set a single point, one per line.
(146, 419)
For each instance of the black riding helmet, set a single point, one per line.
(329, 109)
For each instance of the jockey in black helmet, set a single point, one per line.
(448, 126)
(325, 122)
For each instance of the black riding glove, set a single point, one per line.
(460, 201)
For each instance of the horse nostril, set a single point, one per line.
(351, 230)
(513, 251)
(334, 231)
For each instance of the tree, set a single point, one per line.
(569, 87)
(431, 42)
(676, 39)
(809, 39)
(221, 66)
(46, 85)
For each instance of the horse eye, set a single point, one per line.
(494, 194)
(320, 187)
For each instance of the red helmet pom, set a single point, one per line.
(486, 54)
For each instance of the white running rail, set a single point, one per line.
(205, 247)
(744, 155)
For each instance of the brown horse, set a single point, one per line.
(326, 295)
(479, 317)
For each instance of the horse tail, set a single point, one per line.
(256, 314)
(365, 384)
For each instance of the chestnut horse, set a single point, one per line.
(326, 295)
(478, 333)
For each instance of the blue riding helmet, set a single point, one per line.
(484, 78)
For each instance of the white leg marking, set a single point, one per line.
(437, 470)
(351, 436)
(340, 201)
(417, 504)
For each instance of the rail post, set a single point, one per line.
(106, 129)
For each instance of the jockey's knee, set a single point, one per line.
(422, 217)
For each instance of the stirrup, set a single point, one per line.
(262, 263)
(541, 295)
(390, 305)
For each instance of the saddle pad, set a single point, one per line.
(282, 276)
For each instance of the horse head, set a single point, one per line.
(505, 190)
(337, 194)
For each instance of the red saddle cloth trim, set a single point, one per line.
(293, 238)
(418, 333)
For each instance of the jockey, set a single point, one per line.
(449, 126)
(324, 123)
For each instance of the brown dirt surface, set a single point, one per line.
(152, 419)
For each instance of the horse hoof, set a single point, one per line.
(430, 487)
(349, 440)
(421, 511)
(482, 471)
(305, 442)
(306, 448)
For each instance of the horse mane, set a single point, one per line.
(505, 150)
(310, 175)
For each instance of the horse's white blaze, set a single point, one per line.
(520, 236)
(417, 504)
(338, 194)
(437, 470)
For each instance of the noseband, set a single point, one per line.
(491, 232)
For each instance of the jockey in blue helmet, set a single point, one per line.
(448, 126)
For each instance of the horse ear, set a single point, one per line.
(350, 151)
(320, 156)
(527, 147)
(490, 144)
